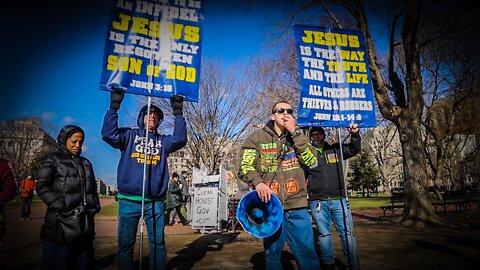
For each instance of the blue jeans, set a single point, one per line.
(128, 217)
(297, 231)
(323, 213)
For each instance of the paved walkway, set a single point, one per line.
(381, 245)
(23, 232)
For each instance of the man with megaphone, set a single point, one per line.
(273, 160)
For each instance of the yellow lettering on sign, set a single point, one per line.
(132, 65)
(150, 28)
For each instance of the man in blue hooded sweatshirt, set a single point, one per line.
(131, 143)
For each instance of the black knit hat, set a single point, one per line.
(318, 129)
(153, 109)
(67, 132)
(75, 130)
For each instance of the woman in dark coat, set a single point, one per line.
(62, 178)
(174, 201)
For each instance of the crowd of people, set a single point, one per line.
(304, 172)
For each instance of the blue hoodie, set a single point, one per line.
(130, 141)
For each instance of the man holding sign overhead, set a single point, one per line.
(326, 194)
(336, 91)
(132, 142)
(152, 48)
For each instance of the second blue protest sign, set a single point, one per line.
(154, 48)
(336, 88)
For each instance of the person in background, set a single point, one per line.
(185, 192)
(183, 197)
(273, 160)
(27, 185)
(8, 190)
(132, 142)
(326, 193)
(174, 201)
(65, 181)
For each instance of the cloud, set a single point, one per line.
(67, 120)
(48, 116)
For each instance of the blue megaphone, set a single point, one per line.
(258, 218)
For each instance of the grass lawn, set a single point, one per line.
(109, 210)
(355, 203)
(368, 202)
(18, 200)
(112, 210)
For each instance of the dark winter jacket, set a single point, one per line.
(326, 180)
(279, 162)
(8, 185)
(59, 185)
(130, 141)
(183, 185)
(173, 196)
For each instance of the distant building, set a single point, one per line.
(101, 187)
(455, 120)
(104, 189)
(178, 161)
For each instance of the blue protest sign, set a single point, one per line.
(154, 48)
(336, 88)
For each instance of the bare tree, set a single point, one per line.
(228, 107)
(384, 146)
(452, 96)
(400, 94)
(23, 142)
(422, 25)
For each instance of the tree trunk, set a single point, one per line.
(418, 206)
(438, 175)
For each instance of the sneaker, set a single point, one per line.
(185, 223)
(22, 218)
(27, 218)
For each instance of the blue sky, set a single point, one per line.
(50, 67)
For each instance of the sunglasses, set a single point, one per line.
(282, 110)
